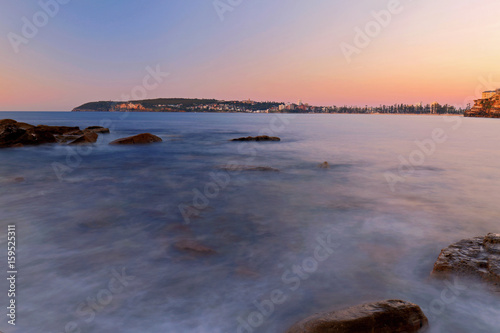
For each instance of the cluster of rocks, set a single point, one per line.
(477, 258)
(17, 134)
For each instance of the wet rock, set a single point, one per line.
(137, 139)
(59, 130)
(392, 316)
(98, 129)
(16, 134)
(234, 168)
(324, 165)
(194, 247)
(477, 257)
(86, 139)
(258, 138)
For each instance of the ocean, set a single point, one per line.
(171, 237)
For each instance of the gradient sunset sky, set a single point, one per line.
(445, 51)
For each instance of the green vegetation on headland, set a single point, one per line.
(213, 105)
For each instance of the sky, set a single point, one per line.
(58, 54)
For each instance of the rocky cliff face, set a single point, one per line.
(486, 107)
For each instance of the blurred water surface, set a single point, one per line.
(84, 217)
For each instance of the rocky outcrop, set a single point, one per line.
(392, 316)
(144, 138)
(477, 257)
(16, 134)
(258, 138)
(488, 106)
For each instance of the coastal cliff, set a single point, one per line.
(488, 106)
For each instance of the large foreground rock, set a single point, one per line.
(16, 134)
(137, 139)
(392, 316)
(477, 257)
(258, 138)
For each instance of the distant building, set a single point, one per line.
(488, 106)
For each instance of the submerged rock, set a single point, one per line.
(258, 138)
(137, 139)
(392, 316)
(193, 247)
(324, 165)
(477, 257)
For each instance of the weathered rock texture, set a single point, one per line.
(392, 316)
(488, 106)
(16, 134)
(258, 138)
(477, 257)
(97, 129)
(137, 139)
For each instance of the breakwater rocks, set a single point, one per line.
(261, 138)
(139, 139)
(391, 316)
(16, 134)
(478, 257)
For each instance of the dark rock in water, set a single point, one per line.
(324, 165)
(258, 138)
(236, 168)
(193, 247)
(392, 316)
(98, 129)
(85, 139)
(137, 139)
(15, 134)
(477, 257)
(36, 136)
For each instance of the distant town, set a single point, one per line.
(249, 106)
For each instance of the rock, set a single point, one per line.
(477, 257)
(98, 129)
(137, 139)
(87, 138)
(59, 130)
(15, 134)
(235, 168)
(258, 138)
(193, 247)
(390, 316)
(324, 165)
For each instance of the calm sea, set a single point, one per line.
(100, 229)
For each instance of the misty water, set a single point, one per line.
(368, 228)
